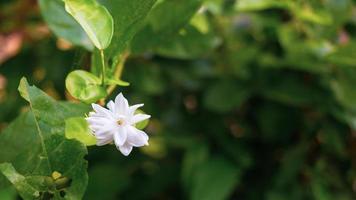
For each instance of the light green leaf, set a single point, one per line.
(316, 15)
(110, 81)
(94, 18)
(305, 13)
(85, 86)
(36, 146)
(141, 125)
(200, 22)
(62, 24)
(254, 5)
(77, 128)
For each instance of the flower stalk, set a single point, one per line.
(103, 66)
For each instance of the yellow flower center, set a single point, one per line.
(120, 122)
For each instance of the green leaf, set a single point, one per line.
(193, 159)
(180, 15)
(62, 24)
(317, 15)
(141, 125)
(157, 147)
(85, 86)
(77, 128)
(108, 179)
(305, 13)
(161, 25)
(94, 18)
(8, 193)
(343, 86)
(225, 95)
(36, 147)
(291, 90)
(341, 11)
(255, 5)
(274, 126)
(148, 79)
(215, 180)
(71, 109)
(344, 55)
(189, 43)
(19, 181)
(110, 81)
(128, 19)
(334, 141)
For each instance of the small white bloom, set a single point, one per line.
(117, 124)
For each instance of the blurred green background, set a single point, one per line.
(250, 99)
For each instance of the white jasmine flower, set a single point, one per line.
(117, 124)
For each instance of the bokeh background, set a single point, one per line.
(251, 99)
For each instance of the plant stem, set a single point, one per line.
(121, 65)
(103, 66)
(118, 71)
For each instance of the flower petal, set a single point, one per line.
(136, 138)
(103, 133)
(111, 106)
(139, 117)
(97, 120)
(120, 136)
(125, 149)
(133, 108)
(101, 111)
(121, 104)
(101, 129)
(103, 141)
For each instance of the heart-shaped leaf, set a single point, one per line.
(85, 86)
(36, 147)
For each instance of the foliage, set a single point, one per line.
(250, 99)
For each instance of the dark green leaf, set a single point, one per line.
(43, 148)
(193, 159)
(62, 24)
(189, 43)
(128, 19)
(226, 95)
(26, 190)
(343, 87)
(215, 180)
(162, 24)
